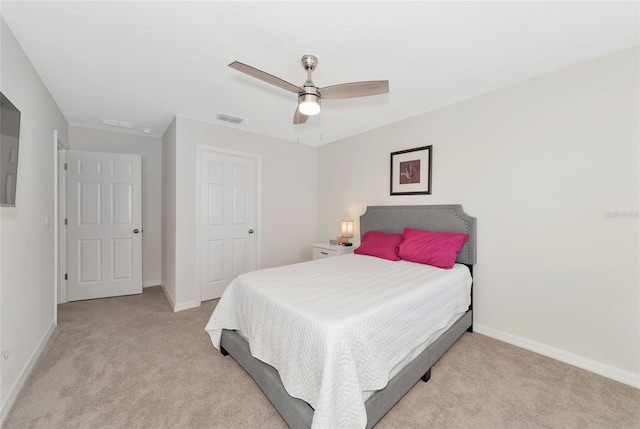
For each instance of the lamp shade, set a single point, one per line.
(347, 228)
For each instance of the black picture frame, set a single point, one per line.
(9, 150)
(410, 171)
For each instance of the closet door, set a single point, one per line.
(227, 220)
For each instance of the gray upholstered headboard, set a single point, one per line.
(449, 218)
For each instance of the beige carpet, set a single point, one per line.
(131, 362)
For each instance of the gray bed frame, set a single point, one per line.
(298, 413)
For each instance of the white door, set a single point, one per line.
(104, 227)
(227, 220)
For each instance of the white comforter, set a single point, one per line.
(336, 327)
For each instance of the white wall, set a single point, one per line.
(27, 279)
(94, 140)
(289, 195)
(539, 164)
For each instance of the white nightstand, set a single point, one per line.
(326, 250)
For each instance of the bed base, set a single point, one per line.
(298, 413)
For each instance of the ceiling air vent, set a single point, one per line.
(228, 118)
(115, 123)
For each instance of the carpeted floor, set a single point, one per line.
(130, 362)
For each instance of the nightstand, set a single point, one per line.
(326, 250)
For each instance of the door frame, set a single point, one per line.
(60, 233)
(257, 158)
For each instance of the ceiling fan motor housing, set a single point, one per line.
(309, 96)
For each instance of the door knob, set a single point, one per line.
(135, 231)
(250, 231)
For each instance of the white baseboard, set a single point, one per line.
(151, 283)
(186, 305)
(181, 305)
(166, 293)
(19, 384)
(616, 374)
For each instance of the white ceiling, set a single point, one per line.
(145, 62)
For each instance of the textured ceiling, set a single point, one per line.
(145, 62)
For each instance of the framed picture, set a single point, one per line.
(411, 171)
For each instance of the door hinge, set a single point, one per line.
(65, 165)
(66, 276)
(66, 221)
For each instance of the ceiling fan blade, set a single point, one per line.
(264, 76)
(354, 89)
(299, 118)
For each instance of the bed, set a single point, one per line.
(348, 362)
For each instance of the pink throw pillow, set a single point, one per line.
(439, 249)
(380, 244)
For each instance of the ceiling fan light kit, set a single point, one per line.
(309, 95)
(309, 104)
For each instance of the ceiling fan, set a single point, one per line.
(310, 95)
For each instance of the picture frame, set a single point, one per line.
(411, 171)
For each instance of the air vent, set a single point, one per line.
(115, 123)
(228, 118)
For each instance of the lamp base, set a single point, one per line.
(343, 241)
